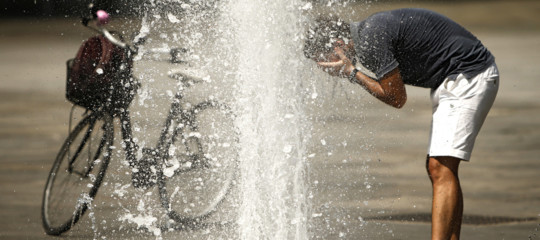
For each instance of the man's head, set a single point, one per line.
(325, 34)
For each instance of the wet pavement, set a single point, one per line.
(368, 178)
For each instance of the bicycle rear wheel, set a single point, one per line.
(201, 163)
(77, 173)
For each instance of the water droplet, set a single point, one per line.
(287, 149)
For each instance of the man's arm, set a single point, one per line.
(390, 89)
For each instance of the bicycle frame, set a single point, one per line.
(165, 139)
(179, 193)
(176, 111)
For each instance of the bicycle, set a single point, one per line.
(193, 164)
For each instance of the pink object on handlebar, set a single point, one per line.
(102, 17)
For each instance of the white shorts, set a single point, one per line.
(460, 106)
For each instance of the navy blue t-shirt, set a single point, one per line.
(426, 46)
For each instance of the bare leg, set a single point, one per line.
(447, 208)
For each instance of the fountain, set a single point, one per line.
(269, 101)
(250, 55)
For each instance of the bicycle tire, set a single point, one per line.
(206, 141)
(77, 173)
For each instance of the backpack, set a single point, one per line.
(100, 76)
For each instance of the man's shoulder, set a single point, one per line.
(410, 11)
(381, 17)
(400, 13)
(382, 20)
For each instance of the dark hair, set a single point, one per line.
(320, 35)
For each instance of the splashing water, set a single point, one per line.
(86, 199)
(271, 119)
(250, 52)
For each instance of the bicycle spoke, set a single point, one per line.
(77, 173)
(81, 146)
(200, 166)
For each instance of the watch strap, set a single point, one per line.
(352, 76)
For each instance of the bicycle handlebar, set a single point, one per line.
(102, 18)
(114, 40)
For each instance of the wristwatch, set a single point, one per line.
(352, 77)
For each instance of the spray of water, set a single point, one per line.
(250, 55)
(271, 118)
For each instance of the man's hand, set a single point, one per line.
(340, 65)
(389, 89)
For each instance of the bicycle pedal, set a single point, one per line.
(186, 163)
(145, 176)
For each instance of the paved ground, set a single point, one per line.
(376, 166)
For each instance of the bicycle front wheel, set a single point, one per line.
(77, 173)
(201, 163)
